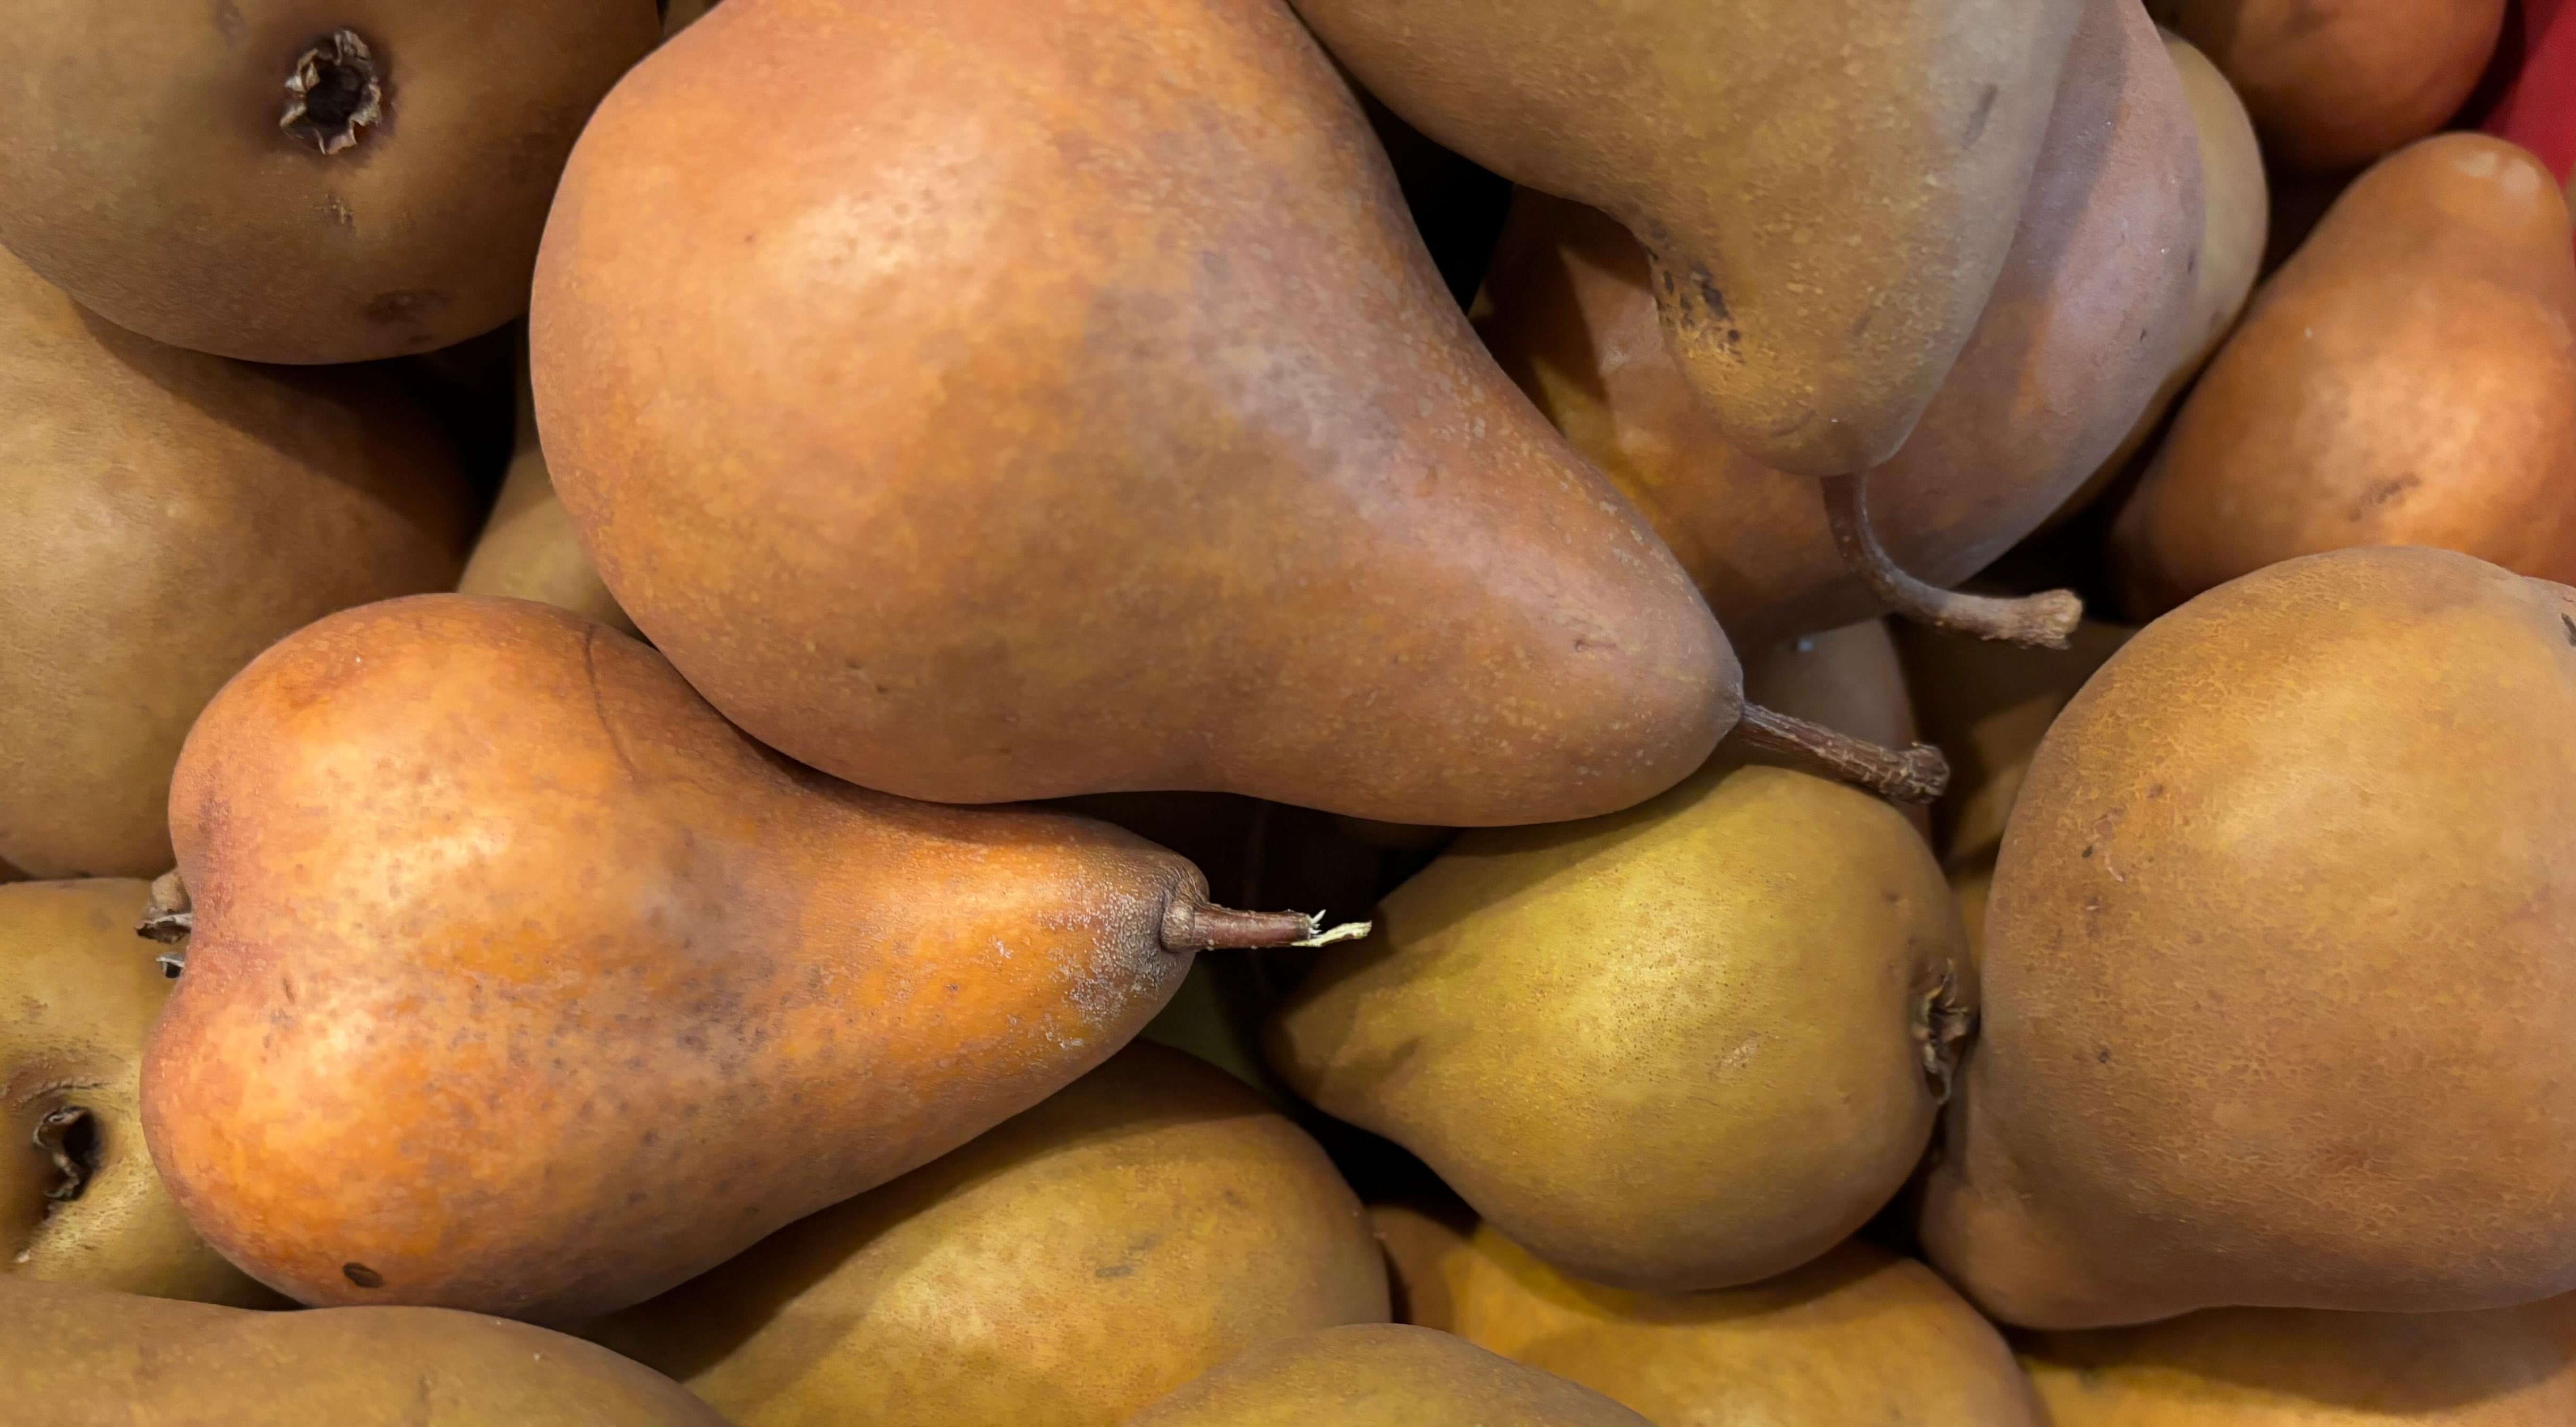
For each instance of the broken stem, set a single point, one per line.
(169, 915)
(1916, 775)
(1193, 925)
(2045, 619)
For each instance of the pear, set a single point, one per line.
(79, 1201)
(1989, 705)
(165, 516)
(2290, 1367)
(1858, 1336)
(1220, 495)
(2236, 213)
(2275, 1006)
(298, 182)
(2336, 83)
(1384, 1375)
(527, 549)
(1847, 679)
(1818, 321)
(1687, 1046)
(92, 1358)
(1136, 1229)
(519, 980)
(2090, 313)
(2409, 378)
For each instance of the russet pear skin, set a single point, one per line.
(2090, 312)
(84, 1357)
(1825, 190)
(2274, 1006)
(1135, 1229)
(521, 981)
(1068, 405)
(2408, 378)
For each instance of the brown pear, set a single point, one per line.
(2409, 378)
(1219, 493)
(167, 515)
(1848, 679)
(528, 549)
(2288, 1367)
(1988, 705)
(520, 980)
(2236, 213)
(1137, 1228)
(287, 181)
(2334, 83)
(82, 1357)
(1859, 1336)
(1687, 1046)
(2090, 313)
(79, 1200)
(2275, 1003)
(1823, 225)
(1383, 1375)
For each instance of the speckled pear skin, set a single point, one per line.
(83, 1357)
(149, 175)
(2276, 991)
(1135, 1229)
(1381, 1375)
(2091, 310)
(1827, 189)
(1858, 1336)
(2407, 378)
(1678, 1048)
(2291, 1367)
(2333, 84)
(521, 981)
(168, 516)
(1068, 405)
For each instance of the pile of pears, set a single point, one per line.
(1288, 713)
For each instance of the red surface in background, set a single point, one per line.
(2538, 109)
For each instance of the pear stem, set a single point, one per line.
(2046, 619)
(1194, 925)
(1916, 775)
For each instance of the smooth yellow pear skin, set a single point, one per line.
(2289, 1367)
(1383, 1375)
(1687, 1046)
(1858, 1336)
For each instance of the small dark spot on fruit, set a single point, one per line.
(2088, 850)
(2571, 629)
(393, 307)
(2102, 1056)
(1977, 121)
(1116, 1270)
(361, 1275)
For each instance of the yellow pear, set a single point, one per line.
(79, 1199)
(2297, 1367)
(1860, 1336)
(85, 1357)
(1142, 1226)
(1382, 1375)
(1686, 1046)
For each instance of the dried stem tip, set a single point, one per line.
(333, 92)
(1190, 924)
(2046, 619)
(1916, 775)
